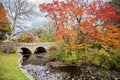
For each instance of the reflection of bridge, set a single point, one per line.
(30, 46)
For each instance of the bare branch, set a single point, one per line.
(18, 10)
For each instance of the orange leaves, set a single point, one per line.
(2, 13)
(3, 26)
(26, 38)
(63, 31)
(78, 11)
(3, 18)
(111, 35)
(84, 21)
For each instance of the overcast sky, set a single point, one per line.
(39, 19)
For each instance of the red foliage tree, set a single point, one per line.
(81, 20)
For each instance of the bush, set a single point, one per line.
(64, 56)
(98, 57)
(57, 53)
(109, 60)
(52, 49)
(114, 61)
(12, 49)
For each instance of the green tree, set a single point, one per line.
(116, 4)
(44, 34)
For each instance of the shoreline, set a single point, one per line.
(20, 66)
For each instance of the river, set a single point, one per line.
(39, 67)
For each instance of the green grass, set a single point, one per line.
(9, 68)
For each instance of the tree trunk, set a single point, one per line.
(10, 40)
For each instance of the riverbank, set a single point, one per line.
(55, 70)
(9, 69)
(85, 72)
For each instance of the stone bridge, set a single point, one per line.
(31, 46)
(31, 53)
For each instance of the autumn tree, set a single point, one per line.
(4, 23)
(25, 37)
(78, 22)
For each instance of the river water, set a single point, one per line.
(38, 68)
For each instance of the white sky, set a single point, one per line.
(39, 1)
(39, 19)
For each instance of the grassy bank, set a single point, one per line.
(9, 68)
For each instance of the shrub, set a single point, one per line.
(98, 57)
(52, 49)
(70, 58)
(114, 61)
(109, 60)
(12, 49)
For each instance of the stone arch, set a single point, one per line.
(40, 50)
(26, 53)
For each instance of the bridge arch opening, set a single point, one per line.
(40, 50)
(26, 53)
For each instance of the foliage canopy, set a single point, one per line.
(4, 23)
(78, 22)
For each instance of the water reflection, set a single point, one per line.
(40, 50)
(25, 52)
(40, 59)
